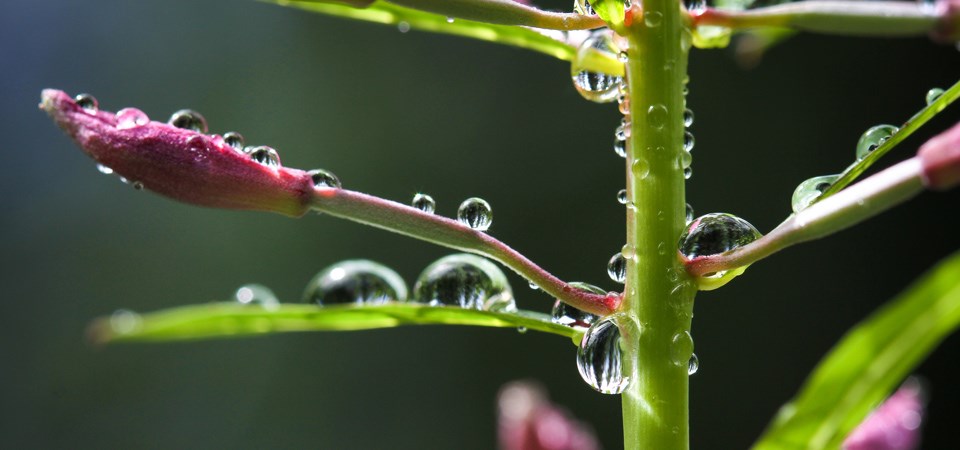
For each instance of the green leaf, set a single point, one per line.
(219, 320)
(549, 42)
(909, 127)
(868, 363)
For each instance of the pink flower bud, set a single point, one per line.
(182, 164)
(528, 421)
(940, 159)
(895, 425)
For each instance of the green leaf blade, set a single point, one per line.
(869, 363)
(225, 320)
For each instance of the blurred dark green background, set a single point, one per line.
(393, 114)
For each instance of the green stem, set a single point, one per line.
(658, 294)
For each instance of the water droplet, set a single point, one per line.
(617, 268)
(124, 321)
(595, 86)
(695, 6)
(662, 248)
(464, 280)
(693, 364)
(873, 138)
(623, 56)
(322, 179)
(450, 19)
(256, 294)
(104, 169)
(681, 348)
(688, 141)
(475, 213)
(424, 203)
(188, 119)
(687, 117)
(628, 251)
(264, 155)
(128, 118)
(565, 314)
(932, 95)
(583, 7)
(87, 102)
(620, 139)
(356, 281)
(687, 173)
(810, 190)
(622, 196)
(522, 330)
(403, 27)
(653, 19)
(137, 185)
(640, 168)
(533, 286)
(234, 140)
(716, 233)
(657, 116)
(686, 158)
(689, 214)
(599, 357)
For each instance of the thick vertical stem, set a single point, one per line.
(658, 293)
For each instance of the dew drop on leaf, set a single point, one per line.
(475, 213)
(617, 268)
(323, 179)
(264, 155)
(128, 118)
(424, 203)
(256, 294)
(467, 281)
(188, 119)
(356, 281)
(810, 190)
(234, 140)
(873, 138)
(933, 95)
(595, 86)
(599, 357)
(715, 233)
(87, 102)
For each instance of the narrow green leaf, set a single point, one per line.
(219, 320)
(868, 363)
(558, 44)
(909, 127)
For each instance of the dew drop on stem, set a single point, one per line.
(264, 155)
(356, 281)
(424, 203)
(565, 314)
(810, 190)
(681, 348)
(715, 233)
(188, 119)
(475, 213)
(687, 117)
(595, 86)
(234, 140)
(256, 294)
(688, 215)
(693, 364)
(467, 281)
(87, 102)
(617, 268)
(128, 118)
(324, 179)
(599, 357)
(622, 196)
(873, 138)
(688, 141)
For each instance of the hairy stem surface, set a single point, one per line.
(658, 294)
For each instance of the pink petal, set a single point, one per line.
(895, 425)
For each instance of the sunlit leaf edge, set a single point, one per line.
(868, 363)
(223, 320)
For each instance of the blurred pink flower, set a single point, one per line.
(528, 421)
(895, 425)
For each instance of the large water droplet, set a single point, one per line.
(264, 155)
(599, 357)
(693, 364)
(689, 214)
(617, 268)
(565, 314)
(323, 179)
(357, 281)
(475, 213)
(681, 347)
(188, 119)
(234, 140)
(873, 138)
(128, 118)
(688, 141)
(716, 233)
(87, 102)
(256, 294)
(810, 190)
(687, 117)
(424, 203)
(657, 116)
(595, 86)
(622, 196)
(933, 95)
(464, 280)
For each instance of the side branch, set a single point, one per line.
(856, 18)
(409, 221)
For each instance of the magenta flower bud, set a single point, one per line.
(182, 164)
(940, 159)
(529, 421)
(895, 425)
